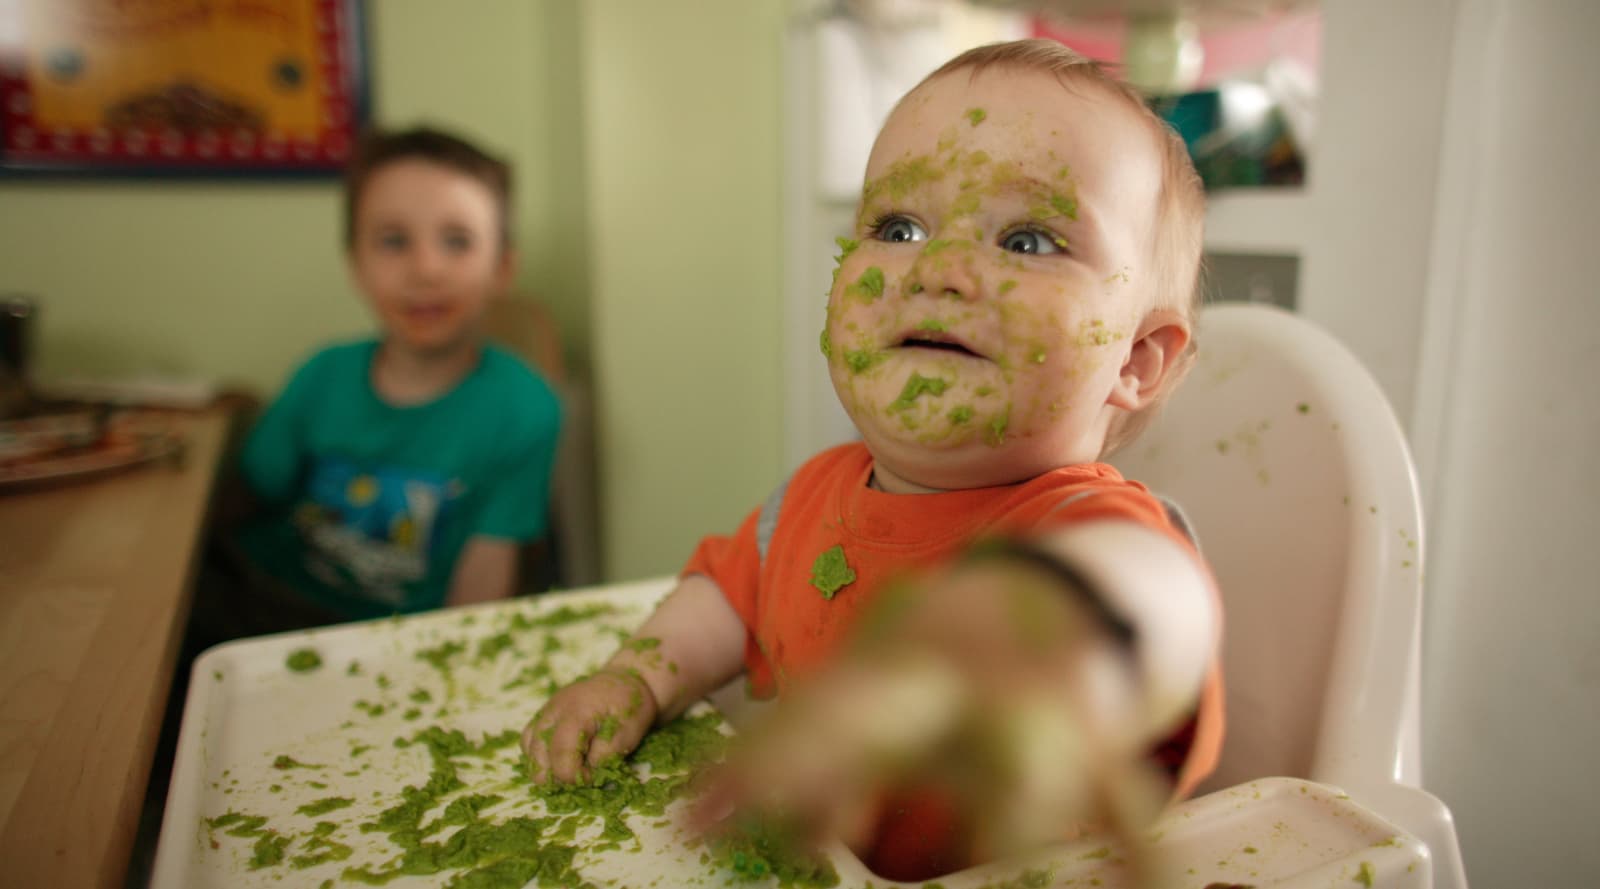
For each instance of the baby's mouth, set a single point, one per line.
(941, 342)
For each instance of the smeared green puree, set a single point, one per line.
(995, 432)
(830, 573)
(901, 178)
(500, 856)
(268, 851)
(760, 850)
(615, 788)
(238, 824)
(303, 660)
(859, 360)
(561, 617)
(869, 286)
(520, 850)
(318, 849)
(915, 388)
(324, 806)
(442, 829)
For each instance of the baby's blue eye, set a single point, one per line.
(898, 229)
(393, 240)
(1028, 240)
(458, 242)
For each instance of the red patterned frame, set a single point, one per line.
(29, 147)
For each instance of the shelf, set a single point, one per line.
(1262, 220)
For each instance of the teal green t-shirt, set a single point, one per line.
(371, 503)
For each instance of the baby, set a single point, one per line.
(981, 636)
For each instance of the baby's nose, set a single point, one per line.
(947, 268)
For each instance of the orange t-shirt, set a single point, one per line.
(794, 628)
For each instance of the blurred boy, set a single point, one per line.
(404, 472)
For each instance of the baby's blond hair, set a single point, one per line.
(1179, 233)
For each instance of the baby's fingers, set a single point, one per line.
(569, 750)
(537, 737)
(614, 735)
(556, 743)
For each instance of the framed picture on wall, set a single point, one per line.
(180, 87)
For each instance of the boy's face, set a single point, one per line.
(981, 332)
(427, 252)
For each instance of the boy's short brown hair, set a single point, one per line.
(1175, 250)
(379, 148)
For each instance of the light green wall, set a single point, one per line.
(239, 280)
(685, 184)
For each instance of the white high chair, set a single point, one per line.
(1295, 476)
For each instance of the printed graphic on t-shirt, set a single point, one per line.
(374, 528)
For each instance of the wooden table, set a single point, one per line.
(94, 595)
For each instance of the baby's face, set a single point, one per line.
(975, 333)
(426, 252)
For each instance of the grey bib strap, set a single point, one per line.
(767, 522)
(1180, 520)
(1175, 513)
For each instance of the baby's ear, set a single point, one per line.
(1158, 345)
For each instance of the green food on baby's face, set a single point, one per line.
(899, 180)
(995, 432)
(917, 386)
(303, 660)
(976, 116)
(847, 246)
(859, 360)
(869, 286)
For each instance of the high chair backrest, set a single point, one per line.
(1292, 469)
(524, 326)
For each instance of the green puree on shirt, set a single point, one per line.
(371, 503)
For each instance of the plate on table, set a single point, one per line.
(81, 444)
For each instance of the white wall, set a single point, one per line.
(1508, 410)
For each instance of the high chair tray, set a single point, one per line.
(279, 768)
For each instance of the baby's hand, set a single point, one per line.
(586, 723)
(988, 683)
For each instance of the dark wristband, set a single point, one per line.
(1066, 574)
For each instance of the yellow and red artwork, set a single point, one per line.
(179, 85)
